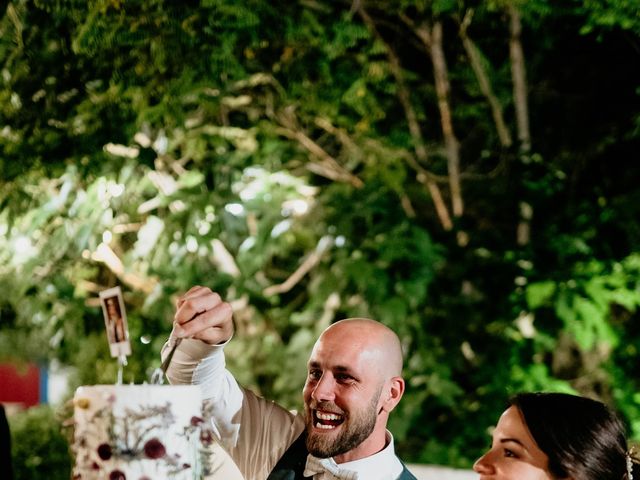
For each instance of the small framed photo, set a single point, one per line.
(115, 322)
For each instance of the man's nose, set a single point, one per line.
(324, 389)
(484, 464)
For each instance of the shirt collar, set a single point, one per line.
(379, 466)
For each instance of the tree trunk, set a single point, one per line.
(519, 77)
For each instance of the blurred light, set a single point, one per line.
(115, 189)
(340, 241)
(23, 246)
(57, 337)
(280, 228)
(211, 217)
(38, 95)
(524, 322)
(203, 227)
(15, 101)
(8, 133)
(525, 264)
(145, 339)
(107, 236)
(296, 207)
(251, 191)
(102, 189)
(247, 244)
(177, 206)
(192, 244)
(38, 318)
(143, 140)
(148, 236)
(121, 150)
(161, 144)
(235, 209)
(467, 351)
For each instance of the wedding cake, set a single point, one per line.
(140, 432)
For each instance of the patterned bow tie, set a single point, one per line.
(327, 469)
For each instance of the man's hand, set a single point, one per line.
(201, 314)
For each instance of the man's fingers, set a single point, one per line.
(218, 333)
(213, 325)
(196, 291)
(197, 302)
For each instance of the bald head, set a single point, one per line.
(353, 383)
(379, 342)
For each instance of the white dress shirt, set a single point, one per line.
(383, 465)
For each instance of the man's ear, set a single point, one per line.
(393, 393)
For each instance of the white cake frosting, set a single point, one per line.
(140, 432)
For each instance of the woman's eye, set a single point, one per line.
(510, 453)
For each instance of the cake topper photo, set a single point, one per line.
(115, 321)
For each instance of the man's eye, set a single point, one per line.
(314, 374)
(342, 377)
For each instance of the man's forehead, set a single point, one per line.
(346, 355)
(335, 366)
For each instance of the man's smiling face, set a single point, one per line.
(342, 394)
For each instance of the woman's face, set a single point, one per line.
(514, 454)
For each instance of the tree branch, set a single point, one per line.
(483, 80)
(327, 166)
(414, 126)
(309, 263)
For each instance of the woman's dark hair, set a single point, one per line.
(581, 437)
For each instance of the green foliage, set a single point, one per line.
(614, 14)
(157, 145)
(39, 449)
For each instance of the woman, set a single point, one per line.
(551, 436)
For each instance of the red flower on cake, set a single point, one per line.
(195, 421)
(104, 451)
(117, 475)
(206, 437)
(154, 449)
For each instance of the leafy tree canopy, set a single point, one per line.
(462, 171)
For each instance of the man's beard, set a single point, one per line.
(354, 431)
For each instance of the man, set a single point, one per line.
(352, 385)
